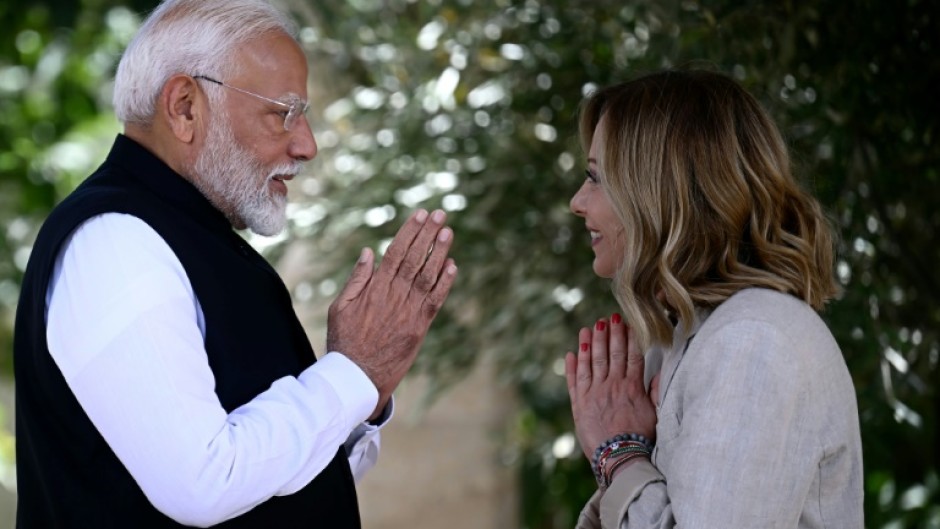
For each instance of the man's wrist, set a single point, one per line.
(383, 414)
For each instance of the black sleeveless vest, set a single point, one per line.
(67, 476)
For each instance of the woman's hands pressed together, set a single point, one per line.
(605, 383)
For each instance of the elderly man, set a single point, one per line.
(163, 378)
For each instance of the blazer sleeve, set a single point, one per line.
(590, 517)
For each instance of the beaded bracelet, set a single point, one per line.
(616, 451)
(620, 447)
(615, 455)
(620, 438)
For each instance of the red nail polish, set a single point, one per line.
(615, 318)
(584, 347)
(600, 325)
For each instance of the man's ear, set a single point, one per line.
(182, 107)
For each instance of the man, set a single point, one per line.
(163, 378)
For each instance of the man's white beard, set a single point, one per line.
(229, 176)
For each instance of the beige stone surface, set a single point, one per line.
(441, 468)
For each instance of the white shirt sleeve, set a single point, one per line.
(126, 330)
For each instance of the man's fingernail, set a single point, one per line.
(437, 216)
(364, 255)
(421, 216)
(444, 235)
(452, 269)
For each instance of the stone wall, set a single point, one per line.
(441, 468)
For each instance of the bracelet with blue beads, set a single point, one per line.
(618, 448)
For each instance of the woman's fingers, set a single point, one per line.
(600, 362)
(635, 367)
(584, 374)
(618, 347)
(571, 374)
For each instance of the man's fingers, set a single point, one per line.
(417, 253)
(435, 299)
(358, 279)
(401, 244)
(432, 267)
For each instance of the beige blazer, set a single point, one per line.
(757, 427)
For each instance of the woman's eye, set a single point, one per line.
(590, 176)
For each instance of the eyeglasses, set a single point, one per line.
(295, 106)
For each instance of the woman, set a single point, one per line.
(742, 413)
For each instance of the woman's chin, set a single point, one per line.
(601, 269)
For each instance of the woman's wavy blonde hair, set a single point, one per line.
(700, 178)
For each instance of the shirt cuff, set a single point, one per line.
(349, 382)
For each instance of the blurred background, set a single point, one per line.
(470, 106)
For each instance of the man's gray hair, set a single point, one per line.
(193, 37)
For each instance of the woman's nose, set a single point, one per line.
(577, 202)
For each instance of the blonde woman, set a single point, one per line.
(720, 398)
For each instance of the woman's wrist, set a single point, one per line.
(616, 453)
(616, 470)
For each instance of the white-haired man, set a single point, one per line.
(163, 378)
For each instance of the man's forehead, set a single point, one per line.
(274, 48)
(274, 67)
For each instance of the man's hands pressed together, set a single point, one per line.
(382, 315)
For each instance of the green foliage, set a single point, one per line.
(56, 61)
(471, 106)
